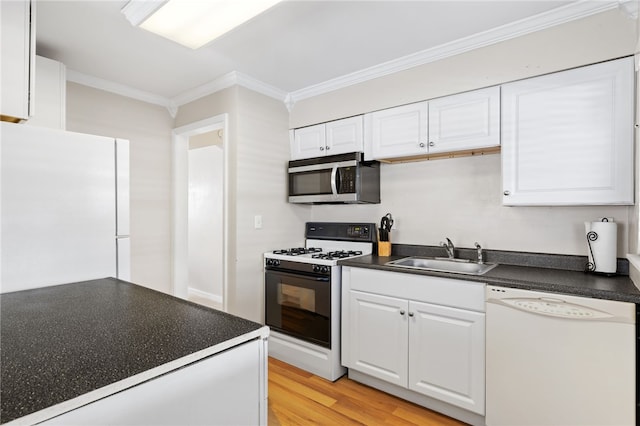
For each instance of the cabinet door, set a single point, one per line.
(465, 121)
(446, 361)
(567, 138)
(308, 142)
(17, 36)
(50, 99)
(378, 336)
(344, 136)
(399, 132)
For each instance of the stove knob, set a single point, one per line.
(316, 268)
(276, 262)
(324, 269)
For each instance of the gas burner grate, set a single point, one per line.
(296, 251)
(340, 254)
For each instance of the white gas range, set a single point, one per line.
(302, 295)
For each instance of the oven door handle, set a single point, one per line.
(334, 177)
(299, 275)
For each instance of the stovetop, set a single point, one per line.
(328, 242)
(328, 255)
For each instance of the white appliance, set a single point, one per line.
(64, 207)
(302, 295)
(559, 360)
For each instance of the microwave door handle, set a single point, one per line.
(334, 177)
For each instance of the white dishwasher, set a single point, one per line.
(556, 360)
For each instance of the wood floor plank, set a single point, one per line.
(297, 397)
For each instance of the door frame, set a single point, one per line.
(180, 179)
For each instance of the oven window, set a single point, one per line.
(315, 182)
(297, 297)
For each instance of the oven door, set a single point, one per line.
(299, 305)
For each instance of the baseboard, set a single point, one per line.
(214, 298)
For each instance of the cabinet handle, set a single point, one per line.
(421, 145)
(322, 148)
(328, 148)
(410, 314)
(432, 143)
(507, 193)
(401, 312)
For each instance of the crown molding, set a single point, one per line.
(230, 79)
(509, 31)
(117, 88)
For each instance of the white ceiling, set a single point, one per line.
(291, 47)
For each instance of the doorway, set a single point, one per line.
(200, 161)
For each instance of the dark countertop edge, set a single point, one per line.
(621, 288)
(85, 399)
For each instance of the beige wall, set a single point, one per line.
(148, 128)
(461, 198)
(259, 150)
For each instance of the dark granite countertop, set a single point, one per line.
(618, 287)
(58, 343)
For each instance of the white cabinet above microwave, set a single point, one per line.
(335, 137)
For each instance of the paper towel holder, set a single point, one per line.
(591, 265)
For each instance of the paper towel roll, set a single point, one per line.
(602, 243)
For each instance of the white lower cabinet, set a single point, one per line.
(420, 333)
(446, 356)
(379, 346)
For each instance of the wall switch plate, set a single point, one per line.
(257, 221)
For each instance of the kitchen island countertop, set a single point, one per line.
(64, 346)
(618, 287)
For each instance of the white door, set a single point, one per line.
(308, 142)
(465, 121)
(446, 358)
(567, 138)
(378, 336)
(344, 136)
(400, 131)
(205, 222)
(186, 257)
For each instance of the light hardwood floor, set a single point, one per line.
(297, 397)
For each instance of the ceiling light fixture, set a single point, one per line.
(193, 23)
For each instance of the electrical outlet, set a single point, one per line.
(257, 221)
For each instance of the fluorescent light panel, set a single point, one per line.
(194, 23)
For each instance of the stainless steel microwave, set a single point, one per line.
(342, 178)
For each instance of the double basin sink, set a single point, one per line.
(459, 266)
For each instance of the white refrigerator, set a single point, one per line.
(64, 207)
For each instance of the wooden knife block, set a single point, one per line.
(384, 248)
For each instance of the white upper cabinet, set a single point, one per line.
(399, 131)
(567, 137)
(466, 121)
(51, 94)
(454, 123)
(17, 35)
(334, 137)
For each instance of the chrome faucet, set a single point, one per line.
(448, 246)
(479, 249)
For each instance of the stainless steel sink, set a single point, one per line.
(459, 266)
